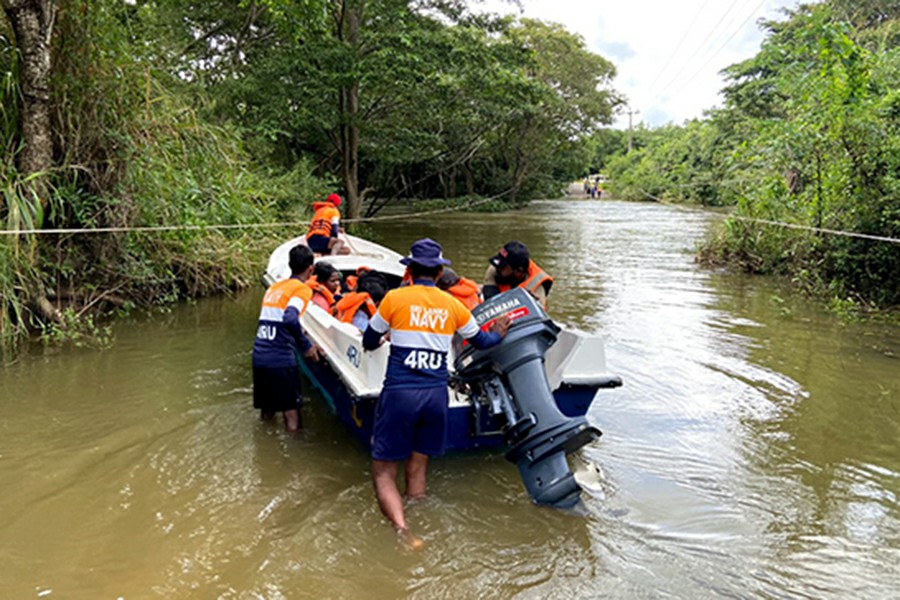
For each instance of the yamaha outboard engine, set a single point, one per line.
(510, 378)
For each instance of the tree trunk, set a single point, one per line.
(350, 149)
(32, 24)
(349, 129)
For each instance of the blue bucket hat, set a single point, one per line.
(425, 252)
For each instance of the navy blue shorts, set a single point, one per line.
(408, 420)
(318, 243)
(276, 389)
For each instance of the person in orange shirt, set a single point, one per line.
(322, 236)
(463, 289)
(512, 267)
(411, 414)
(276, 374)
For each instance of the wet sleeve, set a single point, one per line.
(381, 321)
(471, 332)
(485, 339)
(371, 338)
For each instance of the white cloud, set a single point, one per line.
(668, 53)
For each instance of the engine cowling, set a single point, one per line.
(511, 379)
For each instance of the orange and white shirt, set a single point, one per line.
(422, 320)
(279, 335)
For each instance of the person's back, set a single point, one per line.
(322, 235)
(279, 336)
(412, 411)
(275, 344)
(422, 320)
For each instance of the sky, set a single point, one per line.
(668, 53)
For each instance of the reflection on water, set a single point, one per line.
(752, 452)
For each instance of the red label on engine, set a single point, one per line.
(513, 315)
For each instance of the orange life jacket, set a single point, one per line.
(535, 279)
(353, 279)
(349, 305)
(325, 213)
(466, 291)
(321, 288)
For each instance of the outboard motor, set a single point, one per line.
(510, 378)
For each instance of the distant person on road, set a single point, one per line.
(411, 414)
(322, 236)
(276, 374)
(512, 267)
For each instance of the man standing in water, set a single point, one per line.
(411, 415)
(276, 375)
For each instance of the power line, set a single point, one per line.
(714, 54)
(700, 47)
(678, 45)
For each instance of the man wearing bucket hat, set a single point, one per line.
(411, 414)
(512, 267)
(322, 236)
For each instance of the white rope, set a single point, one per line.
(864, 236)
(154, 228)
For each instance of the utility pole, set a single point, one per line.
(630, 112)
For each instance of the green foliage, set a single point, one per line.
(822, 147)
(809, 137)
(137, 148)
(688, 163)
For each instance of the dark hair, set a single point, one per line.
(448, 279)
(299, 259)
(422, 272)
(323, 271)
(374, 283)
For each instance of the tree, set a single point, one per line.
(32, 24)
(562, 97)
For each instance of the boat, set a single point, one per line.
(529, 394)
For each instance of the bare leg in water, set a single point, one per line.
(384, 478)
(291, 419)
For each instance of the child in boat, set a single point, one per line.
(326, 285)
(463, 289)
(322, 236)
(360, 306)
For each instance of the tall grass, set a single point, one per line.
(135, 147)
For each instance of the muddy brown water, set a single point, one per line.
(754, 451)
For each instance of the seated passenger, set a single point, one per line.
(326, 285)
(464, 290)
(360, 306)
(322, 235)
(350, 284)
(512, 267)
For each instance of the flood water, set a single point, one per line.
(753, 452)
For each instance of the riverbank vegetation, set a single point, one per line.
(809, 135)
(130, 116)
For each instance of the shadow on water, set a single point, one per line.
(752, 451)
